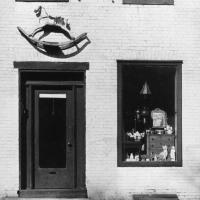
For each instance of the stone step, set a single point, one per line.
(156, 197)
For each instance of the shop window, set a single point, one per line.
(149, 113)
(149, 2)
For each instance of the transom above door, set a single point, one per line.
(52, 129)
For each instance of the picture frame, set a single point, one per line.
(159, 118)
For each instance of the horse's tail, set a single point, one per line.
(45, 11)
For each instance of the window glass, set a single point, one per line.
(148, 114)
(52, 130)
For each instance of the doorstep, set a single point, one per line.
(39, 198)
(155, 197)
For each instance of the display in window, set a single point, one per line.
(151, 138)
(159, 118)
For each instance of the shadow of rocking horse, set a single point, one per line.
(54, 25)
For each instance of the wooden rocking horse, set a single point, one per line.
(53, 25)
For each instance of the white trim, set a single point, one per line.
(58, 96)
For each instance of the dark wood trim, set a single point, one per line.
(20, 103)
(67, 66)
(149, 2)
(178, 102)
(150, 164)
(54, 193)
(80, 136)
(29, 137)
(57, 83)
(26, 182)
(119, 114)
(42, 0)
(70, 136)
(35, 140)
(149, 63)
(179, 111)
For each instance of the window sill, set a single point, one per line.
(149, 2)
(150, 164)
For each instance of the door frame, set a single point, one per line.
(26, 178)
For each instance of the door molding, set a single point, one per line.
(56, 75)
(64, 66)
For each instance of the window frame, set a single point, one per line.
(42, 0)
(178, 109)
(149, 2)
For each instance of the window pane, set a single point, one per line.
(52, 131)
(148, 113)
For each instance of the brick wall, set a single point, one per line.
(117, 31)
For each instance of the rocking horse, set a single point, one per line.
(54, 25)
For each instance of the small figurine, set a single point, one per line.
(172, 153)
(127, 157)
(137, 157)
(142, 134)
(143, 157)
(169, 129)
(163, 155)
(137, 135)
(142, 148)
(129, 134)
(132, 157)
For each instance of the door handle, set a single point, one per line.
(69, 144)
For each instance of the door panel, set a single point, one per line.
(54, 139)
(52, 132)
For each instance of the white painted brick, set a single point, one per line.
(117, 31)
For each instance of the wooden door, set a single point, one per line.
(52, 129)
(54, 146)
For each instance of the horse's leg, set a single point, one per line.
(37, 30)
(67, 34)
(44, 35)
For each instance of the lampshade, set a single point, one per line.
(145, 89)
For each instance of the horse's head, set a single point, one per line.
(68, 25)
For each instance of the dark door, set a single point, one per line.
(52, 129)
(54, 139)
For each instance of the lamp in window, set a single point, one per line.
(145, 113)
(145, 89)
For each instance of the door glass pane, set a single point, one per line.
(52, 130)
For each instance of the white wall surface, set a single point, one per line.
(117, 31)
